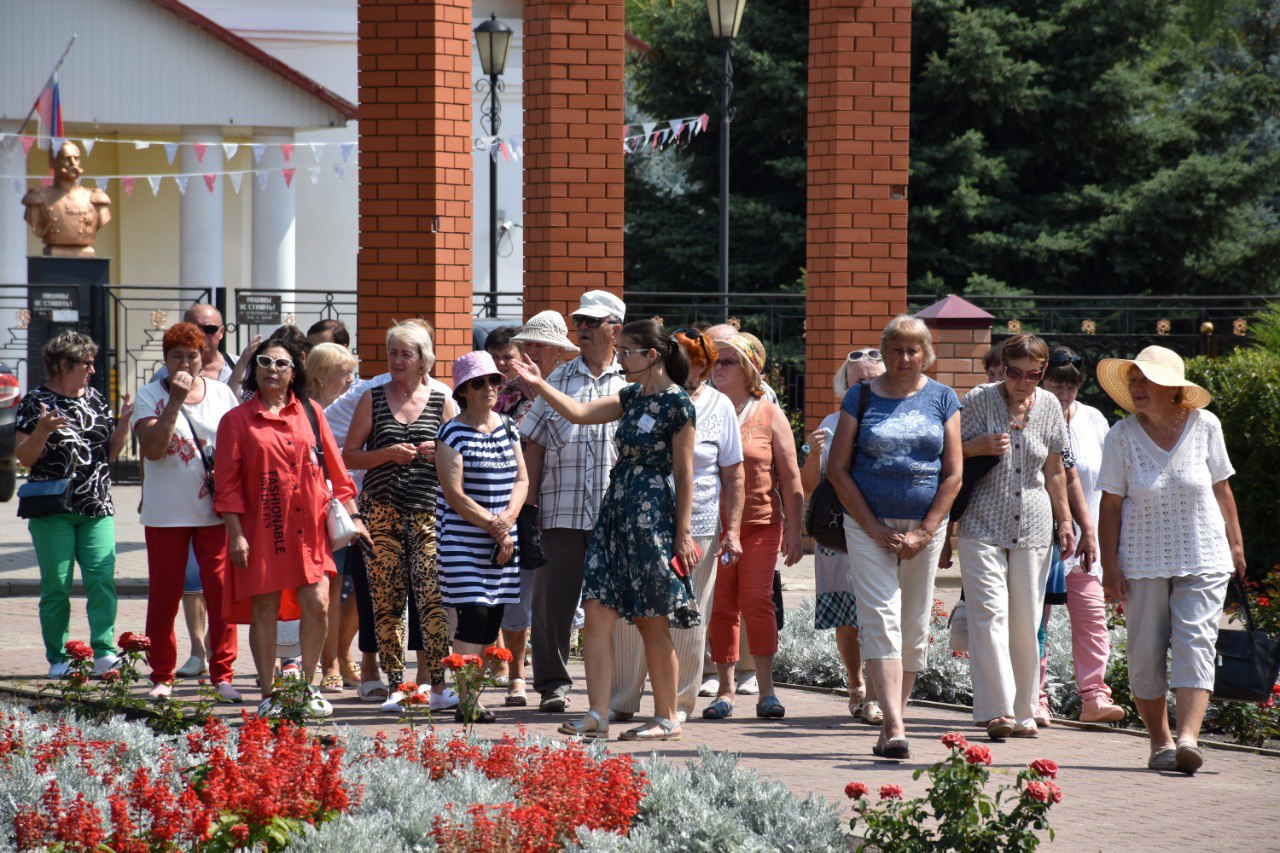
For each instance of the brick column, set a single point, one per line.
(961, 337)
(859, 122)
(415, 173)
(573, 168)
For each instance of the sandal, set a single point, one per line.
(350, 676)
(999, 729)
(332, 684)
(666, 730)
(718, 710)
(856, 700)
(372, 691)
(769, 708)
(895, 747)
(515, 694)
(578, 728)
(871, 713)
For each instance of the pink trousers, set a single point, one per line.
(1090, 642)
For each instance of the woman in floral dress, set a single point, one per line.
(641, 550)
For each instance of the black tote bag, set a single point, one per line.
(824, 518)
(1246, 663)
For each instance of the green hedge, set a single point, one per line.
(1246, 396)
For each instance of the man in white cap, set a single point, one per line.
(568, 472)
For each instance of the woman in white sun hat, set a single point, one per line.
(1170, 538)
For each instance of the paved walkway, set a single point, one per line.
(1111, 801)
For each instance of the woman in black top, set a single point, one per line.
(65, 430)
(392, 437)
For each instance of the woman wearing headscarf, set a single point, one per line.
(1170, 539)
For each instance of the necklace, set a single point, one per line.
(1014, 423)
(1170, 434)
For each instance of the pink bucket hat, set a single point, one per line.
(471, 365)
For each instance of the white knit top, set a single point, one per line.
(1170, 521)
(1086, 432)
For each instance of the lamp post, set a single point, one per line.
(726, 17)
(493, 40)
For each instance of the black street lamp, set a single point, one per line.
(726, 17)
(493, 40)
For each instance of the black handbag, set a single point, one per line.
(1246, 663)
(528, 532)
(975, 468)
(824, 518)
(44, 497)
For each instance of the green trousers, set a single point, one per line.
(61, 541)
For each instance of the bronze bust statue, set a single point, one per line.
(66, 216)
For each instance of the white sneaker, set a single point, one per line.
(193, 668)
(104, 664)
(160, 693)
(710, 687)
(443, 701)
(392, 703)
(59, 670)
(747, 684)
(681, 717)
(268, 708)
(226, 693)
(319, 706)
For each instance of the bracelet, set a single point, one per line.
(355, 516)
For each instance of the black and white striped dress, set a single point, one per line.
(468, 574)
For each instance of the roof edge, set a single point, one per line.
(258, 55)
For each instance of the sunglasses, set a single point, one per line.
(1017, 375)
(728, 362)
(267, 362)
(590, 322)
(209, 328)
(1060, 358)
(493, 380)
(860, 354)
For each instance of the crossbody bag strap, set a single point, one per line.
(315, 431)
(864, 400)
(208, 469)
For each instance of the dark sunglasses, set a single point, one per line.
(1060, 358)
(860, 354)
(492, 380)
(267, 362)
(1017, 375)
(209, 328)
(589, 322)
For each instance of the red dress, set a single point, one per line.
(267, 471)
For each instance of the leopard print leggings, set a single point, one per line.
(404, 559)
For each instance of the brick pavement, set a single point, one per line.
(818, 748)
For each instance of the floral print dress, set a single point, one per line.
(628, 566)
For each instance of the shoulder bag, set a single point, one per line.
(1246, 663)
(824, 519)
(41, 498)
(975, 468)
(341, 527)
(528, 533)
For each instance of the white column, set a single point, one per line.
(200, 222)
(274, 217)
(13, 230)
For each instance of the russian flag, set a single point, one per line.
(49, 108)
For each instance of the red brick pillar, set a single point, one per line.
(573, 168)
(859, 103)
(415, 173)
(961, 337)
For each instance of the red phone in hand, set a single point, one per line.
(677, 565)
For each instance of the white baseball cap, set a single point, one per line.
(601, 303)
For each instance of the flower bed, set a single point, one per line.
(85, 784)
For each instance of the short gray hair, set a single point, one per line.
(913, 329)
(68, 346)
(414, 334)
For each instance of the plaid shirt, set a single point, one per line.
(575, 470)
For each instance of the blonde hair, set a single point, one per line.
(415, 333)
(904, 327)
(324, 361)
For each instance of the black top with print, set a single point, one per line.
(78, 450)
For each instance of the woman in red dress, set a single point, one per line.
(272, 495)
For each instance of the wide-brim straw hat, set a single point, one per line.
(1161, 365)
(547, 327)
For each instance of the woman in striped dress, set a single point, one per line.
(482, 487)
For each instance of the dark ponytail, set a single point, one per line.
(650, 335)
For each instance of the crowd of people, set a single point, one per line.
(666, 486)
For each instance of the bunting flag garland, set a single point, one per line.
(128, 185)
(19, 185)
(182, 183)
(200, 148)
(210, 180)
(171, 151)
(101, 182)
(340, 169)
(656, 135)
(155, 185)
(286, 148)
(88, 146)
(317, 150)
(258, 150)
(229, 149)
(288, 176)
(141, 146)
(27, 142)
(261, 175)
(236, 178)
(347, 148)
(313, 172)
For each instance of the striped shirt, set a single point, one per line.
(412, 487)
(468, 574)
(575, 470)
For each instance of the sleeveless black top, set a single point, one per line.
(412, 487)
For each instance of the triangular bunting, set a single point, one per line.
(257, 153)
(703, 120)
(27, 142)
(236, 178)
(200, 148)
(19, 185)
(210, 181)
(182, 182)
(128, 185)
(313, 172)
(229, 149)
(347, 148)
(262, 179)
(142, 146)
(56, 143)
(648, 127)
(171, 151)
(286, 148)
(102, 183)
(87, 145)
(317, 150)
(341, 169)
(288, 176)
(154, 180)
(677, 128)
(506, 152)
(46, 182)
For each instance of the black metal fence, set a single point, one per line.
(260, 311)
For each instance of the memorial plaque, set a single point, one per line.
(258, 309)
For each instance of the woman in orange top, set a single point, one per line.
(271, 493)
(744, 588)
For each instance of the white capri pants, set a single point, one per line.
(895, 597)
(629, 665)
(1178, 615)
(1004, 599)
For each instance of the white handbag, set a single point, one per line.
(338, 522)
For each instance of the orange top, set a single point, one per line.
(267, 471)
(762, 505)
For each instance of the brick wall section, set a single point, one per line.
(859, 102)
(959, 357)
(573, 167)
(415, 173)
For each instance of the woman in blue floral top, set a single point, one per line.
(643, 531)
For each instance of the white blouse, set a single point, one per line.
(1170, 521)
(1086, 432)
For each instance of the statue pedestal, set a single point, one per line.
(66, 293)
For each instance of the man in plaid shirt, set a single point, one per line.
(569, 469)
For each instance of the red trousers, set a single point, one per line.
(745, 589)
(166, 567)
